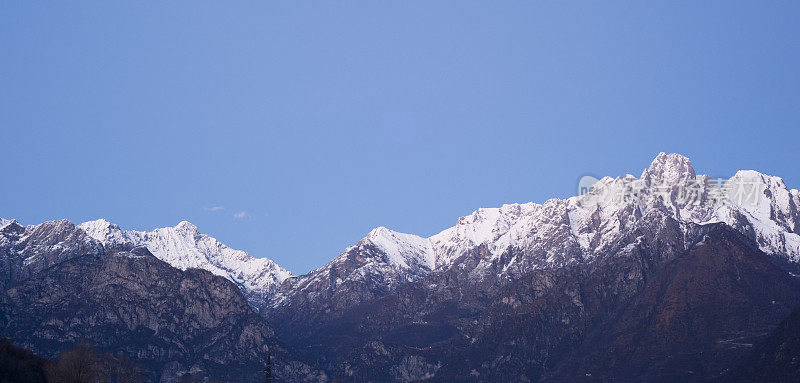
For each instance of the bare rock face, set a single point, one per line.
(62, 286)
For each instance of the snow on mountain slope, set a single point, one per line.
(584, 226)
(517, 237)
(537, 228)
(770, 208)
(105, 232)
(372, 267)
(184, 247)
(403, 250)
(26, 250)
(523, 237)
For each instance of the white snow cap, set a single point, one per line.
(104, 232)
(773, 214)
(183, 247)
(187, 228)
(403, 250)
(669, 169)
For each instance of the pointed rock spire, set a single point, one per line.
(187, 228)
(669, 169)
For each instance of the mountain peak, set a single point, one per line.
(10, 226)
(404, 250)
(187, 227)
(101, 223)
(380, 231)
(183, 247)
(104, 231)
(669, 168)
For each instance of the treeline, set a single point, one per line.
(81, 364)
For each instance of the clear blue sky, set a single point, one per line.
(323, 120)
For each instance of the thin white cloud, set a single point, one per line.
(242, 214)
(214, 208)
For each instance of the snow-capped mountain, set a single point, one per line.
(58, 284)
(184, 247)
(670, 275)
(758, 205)
(524, 237)
(26, 250)
(554, 286)
(582, 227)
(519, 237)
(374, 266)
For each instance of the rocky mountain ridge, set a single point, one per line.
(578, 229)
(184, 247)
(666, 276)
(560, 231)
(60, 286)
(517, 290)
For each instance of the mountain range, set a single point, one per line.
(667, 276)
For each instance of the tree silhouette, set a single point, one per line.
(268, 371)
(82, 364)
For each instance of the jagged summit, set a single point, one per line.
(669, 168)
(186, 226)
(5, 222)
(104, 231)
(184, 247)
(12, 225)
(403, 250)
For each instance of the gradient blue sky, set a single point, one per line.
(323, 120)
